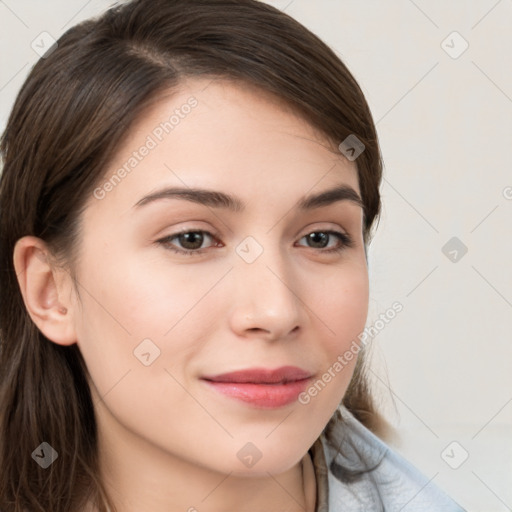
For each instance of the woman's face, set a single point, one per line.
(263, 286)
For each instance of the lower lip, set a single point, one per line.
(265, 396)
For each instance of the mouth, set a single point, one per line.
(260, 387)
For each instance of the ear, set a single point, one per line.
(46, 290)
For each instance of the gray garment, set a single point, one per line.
(346, 447)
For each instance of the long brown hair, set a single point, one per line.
(68, 119)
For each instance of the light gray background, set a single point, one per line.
(442, 366)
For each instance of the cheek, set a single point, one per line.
(341, 308)
(135, 308)
(341, 304)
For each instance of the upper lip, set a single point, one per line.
(262, 375)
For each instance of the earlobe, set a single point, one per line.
(45, 290)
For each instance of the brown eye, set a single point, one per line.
(190, 241)
(320, 239)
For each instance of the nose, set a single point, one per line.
(266, 302)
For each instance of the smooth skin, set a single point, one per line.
(167, 440)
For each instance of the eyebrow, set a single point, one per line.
(217, 199)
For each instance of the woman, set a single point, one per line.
(186, 202)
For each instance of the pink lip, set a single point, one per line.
(262, 387)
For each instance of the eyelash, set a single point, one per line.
(345, 239)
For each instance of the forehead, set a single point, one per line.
(222, 135)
